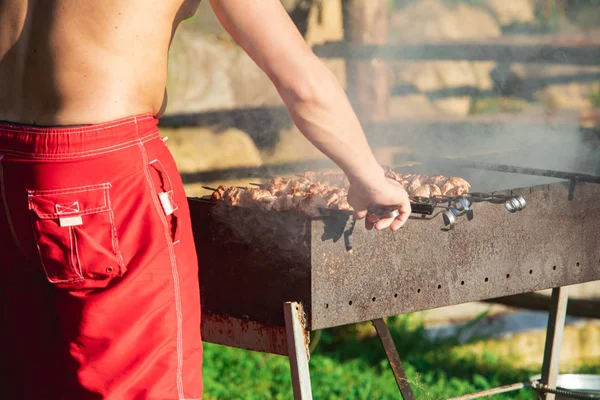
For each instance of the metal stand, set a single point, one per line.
(394, 359)
(298, 339)
(554, 335)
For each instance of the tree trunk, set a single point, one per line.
(368, 82)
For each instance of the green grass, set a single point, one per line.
(346, 367)
(495, 104)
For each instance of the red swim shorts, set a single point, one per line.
(98, 269)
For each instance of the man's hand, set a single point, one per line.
(383, 192)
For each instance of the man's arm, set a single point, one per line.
(317, 103)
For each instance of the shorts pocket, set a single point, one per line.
(76, 235)
(166, 196)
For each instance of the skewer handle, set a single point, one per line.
(384, 212)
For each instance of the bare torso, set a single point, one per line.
(66, 62)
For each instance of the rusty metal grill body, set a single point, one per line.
(251, 261)
(269, 278)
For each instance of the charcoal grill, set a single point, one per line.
(269, 278)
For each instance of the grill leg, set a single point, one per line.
(394, 359)
(298, 339)
(554, 335)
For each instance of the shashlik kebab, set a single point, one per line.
(416, 185)
(328, 190)
(310, 202)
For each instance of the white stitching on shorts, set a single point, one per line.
(71, 252)
(174, 271)
(113, 227)
(81, 189)
(78, 189)
(67, 208)
(81, 154)
(79, 264)
(75, 251)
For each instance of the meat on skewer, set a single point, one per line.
(427, 190)
(455, 186)
(320, 190)
(437, 180)
(328, 178)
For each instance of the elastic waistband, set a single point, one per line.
(60, 143)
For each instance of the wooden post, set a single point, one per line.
(368, 82)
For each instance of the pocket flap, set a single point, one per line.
(70, 202)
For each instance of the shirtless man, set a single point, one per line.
(98, 268)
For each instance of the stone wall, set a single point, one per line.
(209, 71)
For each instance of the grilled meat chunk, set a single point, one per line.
(427, 190)
(455, 186)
